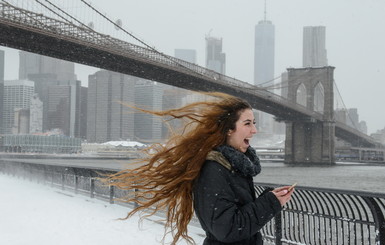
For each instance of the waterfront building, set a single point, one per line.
(39, 144)
(107, 116)
(17, 95)
(215, 59)
(314, 46)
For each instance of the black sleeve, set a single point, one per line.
(217, 207)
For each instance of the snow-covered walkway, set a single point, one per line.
(32, 213)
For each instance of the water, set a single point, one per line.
(347, 176)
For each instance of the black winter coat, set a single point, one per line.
(227, 208)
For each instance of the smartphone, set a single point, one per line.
(291, 187)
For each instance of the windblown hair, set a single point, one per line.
(165, 178)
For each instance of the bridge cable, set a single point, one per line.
(81, 23)
(137, 39)
(344, 107)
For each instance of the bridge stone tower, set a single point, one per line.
(309, 141)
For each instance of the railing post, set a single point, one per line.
(92, 188)
(379, 220)
(112, 194)
(278, 228)
(76, 184)
(62, 181)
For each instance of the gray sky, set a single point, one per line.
(355, 38)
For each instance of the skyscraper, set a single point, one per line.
(314, 50)
(148, 95)
(215, 59)
(47, 72)
(264, 51)
(107, 118)
(30, 63)
(17, 95)
(36, 115)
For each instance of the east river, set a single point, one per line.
(367, 177)
(347, 176)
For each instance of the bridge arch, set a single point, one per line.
(311, 141)
(319, 98)
(301, 95)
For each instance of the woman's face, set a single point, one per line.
(240, 137)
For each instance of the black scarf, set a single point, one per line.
(245, 163)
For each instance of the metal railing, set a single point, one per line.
(328, 216)
(313, 216)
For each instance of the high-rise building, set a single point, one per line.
(35, 115)
(83, 113)
(17, 95)
(215, 59)
(47, 72)
(1, 91)
(107, 117)
(314, 48)
(189, 55)
(31, 63)
(21, 121)
(59, 108)
(264, 51)
(148, 95)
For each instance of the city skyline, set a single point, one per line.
(349, 26)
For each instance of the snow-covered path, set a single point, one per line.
(32, 213)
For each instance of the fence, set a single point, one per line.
(313, 216)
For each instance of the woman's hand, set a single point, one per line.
(282, 194)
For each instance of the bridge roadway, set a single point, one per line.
(347, 176)
(33, 32)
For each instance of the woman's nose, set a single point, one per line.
(254, 129)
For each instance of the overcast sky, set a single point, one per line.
(355, 38)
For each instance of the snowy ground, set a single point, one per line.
(32, 213)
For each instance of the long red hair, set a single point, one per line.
(165, 178)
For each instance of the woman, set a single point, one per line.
(207, 167)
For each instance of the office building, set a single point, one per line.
(108, 119)
(31, 63)
(148, 95)
(83, 113)
(17, 95)
(35, 115)
(264, 51)
(21, 121)
(314, 48)
(215, 59)
(48, 72)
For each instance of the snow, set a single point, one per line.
(33, 213)
(124, 143)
